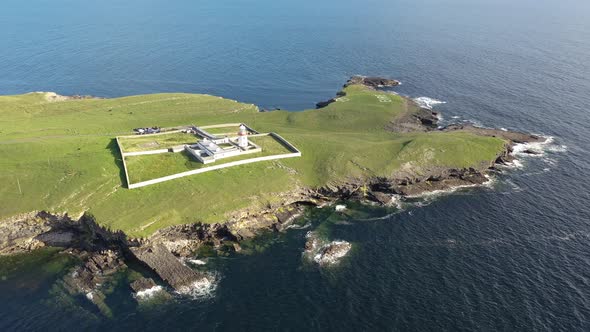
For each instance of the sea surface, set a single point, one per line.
(511, 256)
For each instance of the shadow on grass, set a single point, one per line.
(118, 158)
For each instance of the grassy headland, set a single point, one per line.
(62, 156)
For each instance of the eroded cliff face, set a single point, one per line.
(38, 229)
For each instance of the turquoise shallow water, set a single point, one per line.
(511, 257)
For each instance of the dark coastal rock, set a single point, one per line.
(286, 215)
(439, 180)
(381, 198)
(54, 97)
(98, 266)
(427, 117)
(58, 238)
(531, 152)
(323, 252)
(92, 278)
(313, 243)
(382, 190)
(18, 234)
(167, 266)
(506, 157)
(372, 82)
(323, 104)
(512, 136)
(417, 120)
(332, 253)
(142, 284)
(35, 230)
(39, 229)
(184, 240)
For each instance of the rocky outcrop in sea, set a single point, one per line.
(324, 252)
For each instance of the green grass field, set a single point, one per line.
(156, 142)
(223, 131)
(62, 156)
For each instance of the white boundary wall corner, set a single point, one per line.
(124, 163)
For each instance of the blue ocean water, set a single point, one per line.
(511, 257)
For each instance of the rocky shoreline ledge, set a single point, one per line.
(104, 252)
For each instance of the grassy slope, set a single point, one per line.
(64, 157)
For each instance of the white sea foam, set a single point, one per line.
(474, 123)
(513, 164)
(197, 261)
(387, 216)
(514, 186)
(489, 183)
(340, 208)
(428, 102)
(295, 226)
(324, 259)
(397, 201)
(203, 288)
(148, 293)
(556, 148)
(538, 150)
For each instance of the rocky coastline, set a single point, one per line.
(104, 252)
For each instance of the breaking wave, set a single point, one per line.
(340, 208)
(538, 150)
(295, 226)
(427, 102)
(532, 149)
(430, 194)
(203, 288)
(197, 261)
(148, 293)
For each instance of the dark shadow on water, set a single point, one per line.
(118, 159)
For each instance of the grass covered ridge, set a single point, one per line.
(62, 156)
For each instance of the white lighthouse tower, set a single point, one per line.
(243, 137)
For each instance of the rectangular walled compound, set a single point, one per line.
(210, 148)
